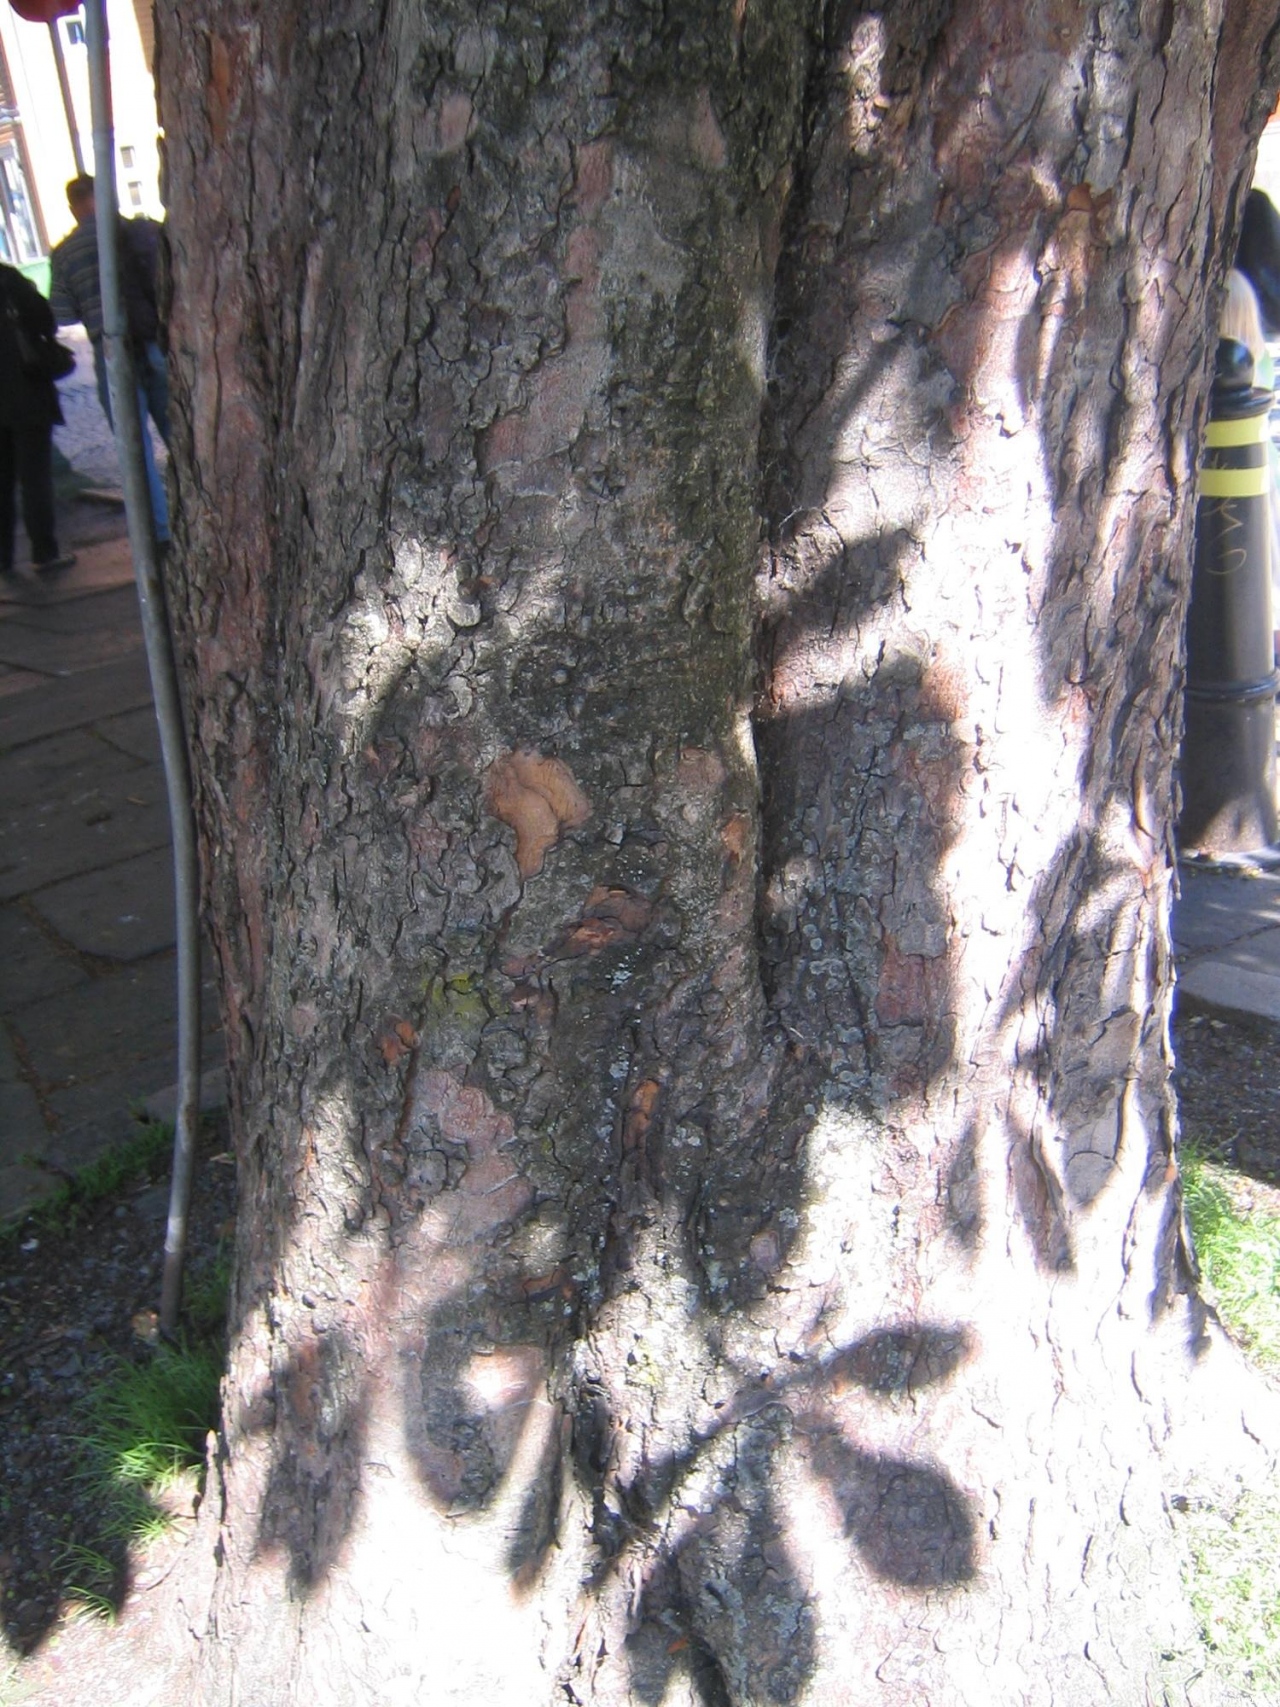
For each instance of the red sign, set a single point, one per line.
(45, 11)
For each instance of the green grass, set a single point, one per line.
(1231, 1551)
(142, 1156)
(144, 1428)
(142, 1433)
(1235, 1591)
(93, 1585)
(1239, 1258)
(205, 1293)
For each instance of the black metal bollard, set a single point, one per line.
(1229, 743)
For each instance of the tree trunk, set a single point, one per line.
(683, 516)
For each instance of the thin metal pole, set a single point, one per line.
(73, 127)
(129, 428)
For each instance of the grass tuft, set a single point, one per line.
(142, 1156)
(1239, 1256)
(143, 1429)
(146, 1427)
(93, 1587)
(205, 1295)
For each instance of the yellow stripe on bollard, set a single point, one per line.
(1222, 435)
(1234, 482)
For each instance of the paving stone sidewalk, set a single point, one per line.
(87, 961)
(1226, 932)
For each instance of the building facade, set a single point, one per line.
(45, 139)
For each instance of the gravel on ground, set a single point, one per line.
(73, 1303)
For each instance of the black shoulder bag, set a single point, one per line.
(40, 356)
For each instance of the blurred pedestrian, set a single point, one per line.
(76, 295)
(29, 411)
(1242, 320)
(1258, 256)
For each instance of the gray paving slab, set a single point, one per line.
(102, 1026)
(31, 967)
(18, 681)
(94, 1115)
(103, 559)
(138, 1087)
(109, 1094)
(60, 765)
(1215, 908)
(99, 566)
(1257, 952)
(10, 1066)
(87, 980)
(133, 732)
(23, 1132)
(22, 1187)
(24, 647)
(113, 607)
(110, 1025)
(122, 685)
(106, 823)
(122, 913)
(1226, 929)
(24, 587)
(70, 1151)
(1239, 988)
(163, 1104)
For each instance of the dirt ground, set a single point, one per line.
(1228, 1079)
(72, 1305)
(69, 1306)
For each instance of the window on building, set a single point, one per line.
(126, 159)
(135, 193)
(16, 220)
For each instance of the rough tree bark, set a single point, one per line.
(683, 524)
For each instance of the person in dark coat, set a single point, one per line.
(29, 411)
(1258, 256)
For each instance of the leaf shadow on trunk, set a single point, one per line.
(1095, 1095)
(314, 1486)
(725, 1603)
(960, 320)
(908, 1520)
(862, 1010)
(864, 790)
(725, 1598)
(861, 776)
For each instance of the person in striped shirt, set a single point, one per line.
(76, 295)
